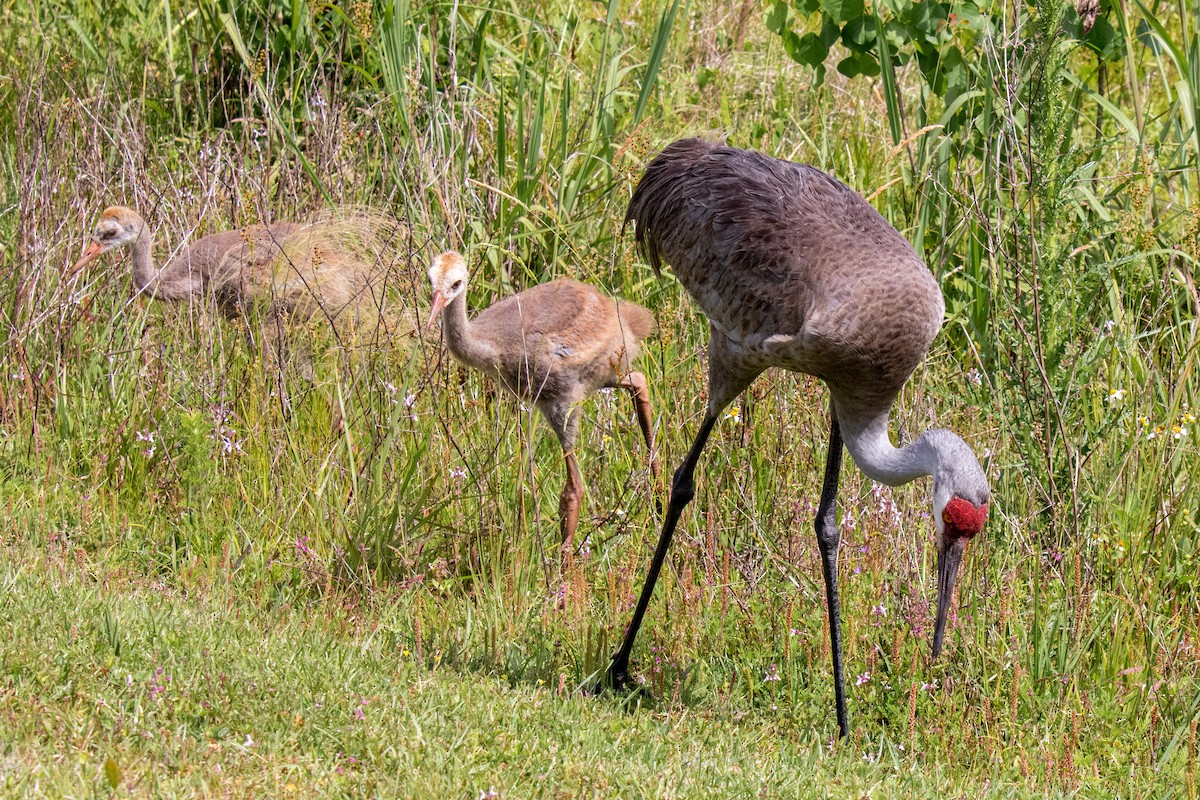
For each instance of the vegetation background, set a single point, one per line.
(209, 589)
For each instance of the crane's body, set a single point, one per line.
(796, 270)
(554, 345)
(573, 340)
(236, 264)
(330, 266)
(843, 296)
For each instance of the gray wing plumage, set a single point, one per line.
(774, 251)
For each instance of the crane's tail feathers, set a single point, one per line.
(658, 207)
(638, 321)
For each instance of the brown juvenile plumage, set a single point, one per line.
(332, 267)
(795, 270)
(553, 345)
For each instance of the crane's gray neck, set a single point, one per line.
(144, 273)
(461, 340)
(934, 452)
(179, 280)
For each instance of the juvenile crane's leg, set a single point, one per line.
(828, 539)
(635, 382)
(565, 421)
(568, 509)
(682, 491)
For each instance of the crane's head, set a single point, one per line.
(118, 227)
(960, 509)
(448, 276)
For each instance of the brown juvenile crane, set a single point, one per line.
(796, 270)
(329, 266)
(554, 345)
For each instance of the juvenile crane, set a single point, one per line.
(554, 345)
(327, 266)
(795, 270)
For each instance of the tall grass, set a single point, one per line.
(162, 442)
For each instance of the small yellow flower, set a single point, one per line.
(734, 414)
(1178, 431)
(1143, 421)
(1116, 395)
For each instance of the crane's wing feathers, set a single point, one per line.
(779, 252)
(562, 332)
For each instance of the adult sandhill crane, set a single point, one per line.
(795, 270)
(554, 345)
(330, 266)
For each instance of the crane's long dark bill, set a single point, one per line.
(948, 563)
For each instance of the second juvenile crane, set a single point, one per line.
(555, 345)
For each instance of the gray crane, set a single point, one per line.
(796, 270)
(554, 345)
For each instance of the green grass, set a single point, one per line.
(281, 569)
(117, 683)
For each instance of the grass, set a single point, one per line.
(201, 695)
(172, 498)
(145, 688)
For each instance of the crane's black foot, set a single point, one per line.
(616, 678)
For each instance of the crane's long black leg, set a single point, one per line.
(682, 491)
(828, 538)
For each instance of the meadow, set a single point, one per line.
(222, 575)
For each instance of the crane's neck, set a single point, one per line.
(461, 339)
(179, 280)
(144, 273)
(875, 455)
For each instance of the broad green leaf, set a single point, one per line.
(859, 34)
(898, 34)
(777, 16)
(807, 49)
(857, 64)
(791, 44)
(929, 20)
(1104, 40)
(955, 73)
(842, 10)
(969, 15)
(830, 30)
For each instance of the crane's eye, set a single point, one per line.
(454, 287)
(946, 516)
